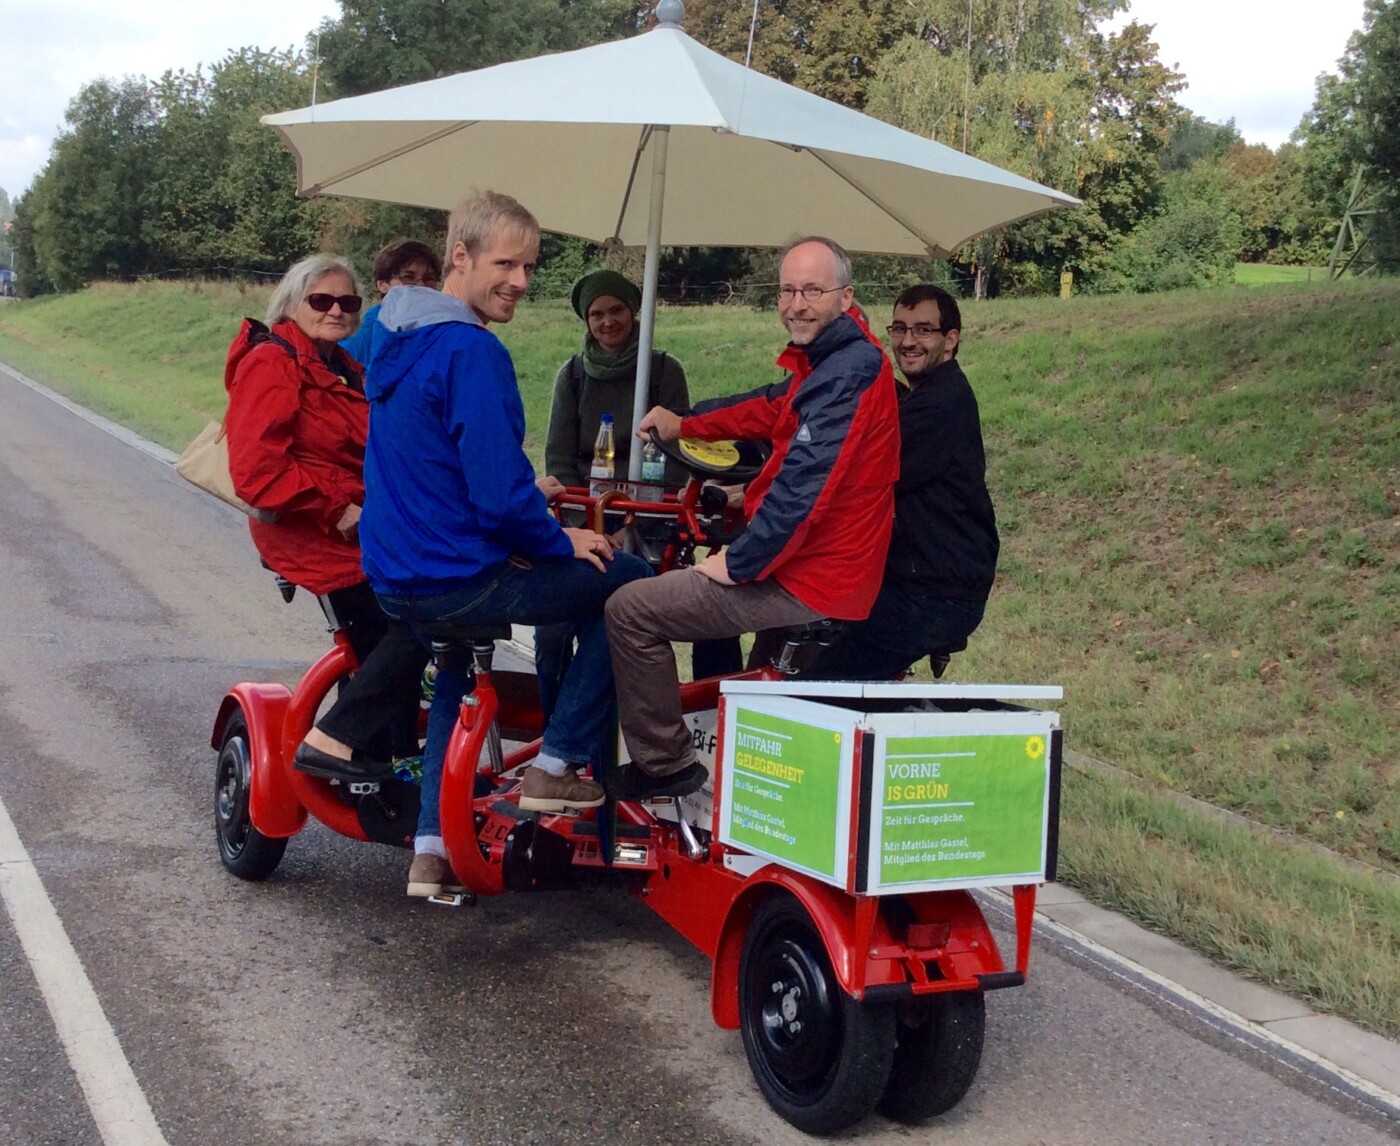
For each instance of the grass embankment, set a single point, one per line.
(1198, 496)
(1257, 274)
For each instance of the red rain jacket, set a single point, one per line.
(296, 445)
(821, 510)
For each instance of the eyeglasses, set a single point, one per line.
(322, 303)
(922, 331)
(409, 278)
(810, 293)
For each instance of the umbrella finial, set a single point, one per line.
(670, 13)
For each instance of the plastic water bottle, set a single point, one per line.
(600, 477)
(653, 472)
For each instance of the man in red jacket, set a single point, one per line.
(819, 514)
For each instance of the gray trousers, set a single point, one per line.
(644, 617)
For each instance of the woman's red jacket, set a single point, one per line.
(296, 445)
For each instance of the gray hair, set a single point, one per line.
(296, 284)
(843, 260)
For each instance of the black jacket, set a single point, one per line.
(945, 531)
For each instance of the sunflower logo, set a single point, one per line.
(1035, 747)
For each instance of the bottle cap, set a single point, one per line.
(607, 417)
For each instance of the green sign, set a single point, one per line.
(960, 807)
(784, 782)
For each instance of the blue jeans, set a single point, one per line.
(903, 626)
(538, 591)
(554, 650)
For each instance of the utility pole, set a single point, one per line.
(967, 81)
(1350, 252)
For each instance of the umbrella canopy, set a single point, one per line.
(751, 160)
(736, 159)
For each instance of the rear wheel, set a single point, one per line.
(244, 850)
(939, 1050)
(820, 1058)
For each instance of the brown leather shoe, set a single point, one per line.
(432, 875)
(541, 791)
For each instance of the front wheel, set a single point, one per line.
(939, 1051)
(821, 1059)
(244, 850)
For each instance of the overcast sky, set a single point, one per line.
(1254, 60)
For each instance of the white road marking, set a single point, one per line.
(118, 1105)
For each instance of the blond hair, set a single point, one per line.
(476, 220)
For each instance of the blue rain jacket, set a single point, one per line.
(449, 491)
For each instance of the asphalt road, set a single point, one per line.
(324, 1006)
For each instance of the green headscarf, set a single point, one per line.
(597, 283)
(600, 364)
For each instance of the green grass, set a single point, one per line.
(1255, 274)
(1199, 496)
(1279, 913)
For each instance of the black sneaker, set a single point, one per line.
(631, 783)
(314, 762)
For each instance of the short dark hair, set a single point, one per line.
(397, 254)
(949, 317)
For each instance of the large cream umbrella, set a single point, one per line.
(736, 158)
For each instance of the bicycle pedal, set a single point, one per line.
(453, 899)
(363, 787)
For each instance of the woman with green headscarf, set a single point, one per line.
(601, 379)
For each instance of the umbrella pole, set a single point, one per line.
(660, 139)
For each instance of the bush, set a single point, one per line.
(1191, 243)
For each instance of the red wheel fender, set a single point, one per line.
(272, 804)
(832, 912)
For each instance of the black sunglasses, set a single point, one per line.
(349, 303)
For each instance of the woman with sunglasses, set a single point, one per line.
(297, 423)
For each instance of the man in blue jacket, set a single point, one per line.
(454, 528)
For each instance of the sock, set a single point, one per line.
(551, 764)
(430, 845)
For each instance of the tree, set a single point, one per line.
(829, 47)
(1307, 215)
(31, 280)
(1031, 85)
(87, 204)
(377, 44)
(1250, 181)
(7, 217)
(1193, 138)
(1372, 65)
(223, 190)
(223, 187)
(1354, 123)
(1192, 240)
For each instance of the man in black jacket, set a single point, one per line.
(943, 552)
